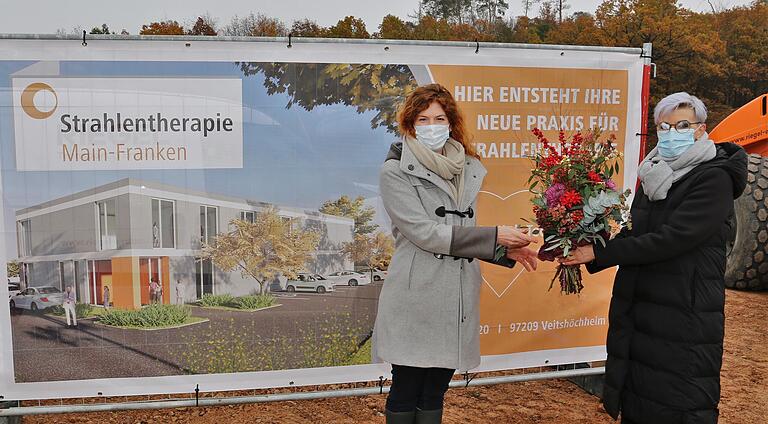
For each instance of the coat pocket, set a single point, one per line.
(410, 269)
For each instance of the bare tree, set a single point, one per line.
(255, 25)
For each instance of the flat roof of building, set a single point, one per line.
(136, 186)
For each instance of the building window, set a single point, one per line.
(26, 271)
(204, 278)
(293, 224)
(209, 224)
(106, 211)
(25, 238)
(163, 224)
(249, 216)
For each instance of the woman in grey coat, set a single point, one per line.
(428, 318)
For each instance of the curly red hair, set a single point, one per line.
(420, 99)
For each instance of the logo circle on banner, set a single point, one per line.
(28, 100)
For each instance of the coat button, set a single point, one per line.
(428, 174)
(410, 167)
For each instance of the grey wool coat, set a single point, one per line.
(428, 313)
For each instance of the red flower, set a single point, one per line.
(570, 198)
(560, 175)
(551, 161)
(594, 177)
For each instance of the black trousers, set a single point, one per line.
(422, 388)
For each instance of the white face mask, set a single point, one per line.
(433, 136)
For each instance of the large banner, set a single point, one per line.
(209, 211)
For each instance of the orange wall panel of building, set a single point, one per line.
(122, 283)
(144, 281)
(165, 268)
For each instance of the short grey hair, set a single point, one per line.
(681, 100)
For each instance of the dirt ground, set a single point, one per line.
(744, 394)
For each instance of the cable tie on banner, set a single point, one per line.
(642, 134)
(477, 46)
(468, 379)
(197, 395)
(290, 41)
(382, 380)
(84, 42)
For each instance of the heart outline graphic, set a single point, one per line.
(506, 197)
(499, 296)
(503, 199)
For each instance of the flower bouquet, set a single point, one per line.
(576, 202)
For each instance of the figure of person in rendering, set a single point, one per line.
(68, 304)
(155, 235)
(106, 297)
(179, 292)
(154, 291)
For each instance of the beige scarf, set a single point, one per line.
(449, 166)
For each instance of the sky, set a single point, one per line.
(46, 16)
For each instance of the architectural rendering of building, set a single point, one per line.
(128, 233)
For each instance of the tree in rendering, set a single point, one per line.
(354, 209)
(269, 247)
(367, 87)
(13, 268)
(371, 250)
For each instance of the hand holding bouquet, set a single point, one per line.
(576, 202)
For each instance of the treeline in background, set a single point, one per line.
(720, 55)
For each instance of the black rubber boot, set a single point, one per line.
(400, 417)
(429, 417)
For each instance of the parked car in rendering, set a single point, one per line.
(349, 278)
(309, 282)
(37, 298)
(377, 274)
(13, 289)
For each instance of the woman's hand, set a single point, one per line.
(581, 255)
(513, 238)
(524, 256)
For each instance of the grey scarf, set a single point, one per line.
(657, 174)
(449, 166)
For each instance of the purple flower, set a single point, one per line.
(610, 184)
(553, 194)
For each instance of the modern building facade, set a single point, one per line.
(125, 234)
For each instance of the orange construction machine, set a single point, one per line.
(748, 247)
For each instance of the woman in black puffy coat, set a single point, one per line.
(665, 336)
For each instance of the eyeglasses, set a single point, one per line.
(679, 126)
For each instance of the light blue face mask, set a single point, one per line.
(674, 143)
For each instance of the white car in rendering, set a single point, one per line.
(309, 282)
(13, 289)
(349, 278)
(380, 274)
(377, 274)
(37, 298)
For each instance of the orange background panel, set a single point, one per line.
(511, 297)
